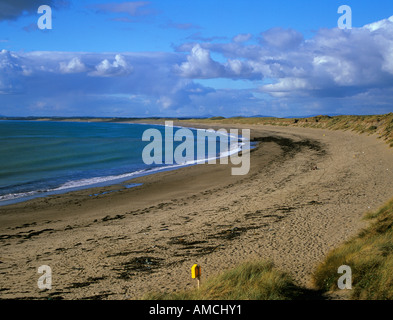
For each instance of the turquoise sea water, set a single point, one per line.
(42, 158)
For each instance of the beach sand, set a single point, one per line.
(306, 193)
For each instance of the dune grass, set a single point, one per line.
(370, 256)
(249, 281)
(381, 125)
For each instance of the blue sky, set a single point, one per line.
(185, 58)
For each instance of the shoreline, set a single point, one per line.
(120, 180)
(122, 244)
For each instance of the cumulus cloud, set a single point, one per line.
(285, 86)
(357, 60)
(12, 69)
(75, 65)
(92, 83)
(119, 67)
(335, 71)
(334, 64)
(200, 65)
(382, 24)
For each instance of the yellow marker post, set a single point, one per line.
(196, 273)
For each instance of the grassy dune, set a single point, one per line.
(256, 280)
(381, 125)
(369, 254)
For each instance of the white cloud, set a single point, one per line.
(75, 65)
(236, 66)
(334, 70)
(200, 65)
(285, 86)
(382, 24)
(11, 72)
(119, 67)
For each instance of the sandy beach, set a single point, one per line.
(306, 192)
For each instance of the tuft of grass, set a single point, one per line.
(370, 256)
(248, 281)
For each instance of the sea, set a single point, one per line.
(41, 158)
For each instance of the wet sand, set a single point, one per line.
(306, 193)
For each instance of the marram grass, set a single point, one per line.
(249, 281)
(381, 125)
(370, 256)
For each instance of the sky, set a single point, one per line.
(200, 58)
